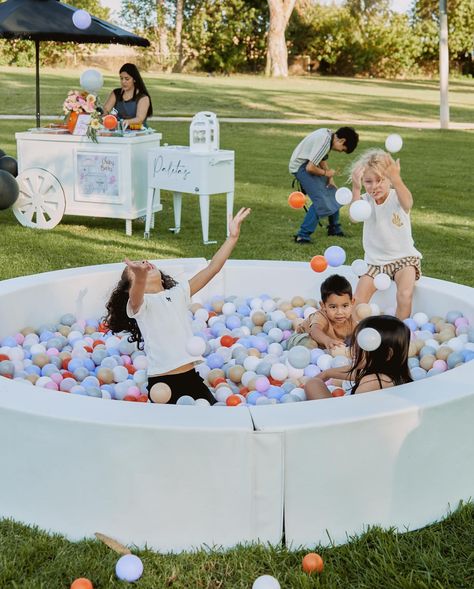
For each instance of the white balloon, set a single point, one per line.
(360, 211)
(91, 80)
(359, 267)
(266, 582)
(81, 19)
(343, 195)
(393, 143)
(382, 281)
(196, 346)
(369, 339)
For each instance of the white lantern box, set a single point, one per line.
(204, 132)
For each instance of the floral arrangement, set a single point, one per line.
(79, 102)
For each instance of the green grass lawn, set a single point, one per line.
(255, 96)
(437, 168)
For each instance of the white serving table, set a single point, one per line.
(180, 170)
(69, 174)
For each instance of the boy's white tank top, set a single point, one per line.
(387, 232)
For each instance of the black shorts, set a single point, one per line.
(185, 383)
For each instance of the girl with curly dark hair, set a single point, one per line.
(153, 308)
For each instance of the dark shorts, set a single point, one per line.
(186, 383)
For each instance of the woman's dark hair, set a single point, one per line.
(390, 358)
(140, 88)
(351, 137)
(116, 318)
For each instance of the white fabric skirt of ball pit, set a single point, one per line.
(177, 477)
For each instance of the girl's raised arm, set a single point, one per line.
(137, 289)
(221, 256)
(392, 171)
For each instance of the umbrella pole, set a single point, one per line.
(37, 50)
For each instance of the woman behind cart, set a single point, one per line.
(132, 100)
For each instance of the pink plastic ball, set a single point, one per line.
(19, 338)
(53, 352)
(56, 377)
(440, 365)
(51, 385)
(461, 321)
(126, 360)
(134, 391)
(286, 334)
(262, 384)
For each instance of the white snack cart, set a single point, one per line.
(60, 174)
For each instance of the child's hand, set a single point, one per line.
(234, 224)
(139, 269)
(330, 173)
(391, 168)
(357, 177)
(334, 343)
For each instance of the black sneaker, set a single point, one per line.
(301, 240)
(333, 233)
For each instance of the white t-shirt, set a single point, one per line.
(313, 148)
(387, 232)
(164, 322)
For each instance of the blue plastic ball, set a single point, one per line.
(335, 255)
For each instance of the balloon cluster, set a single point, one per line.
(9, 189)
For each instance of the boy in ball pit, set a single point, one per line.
(332, 325)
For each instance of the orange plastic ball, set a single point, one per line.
(142, 399)
(110, 122)
(338, 392)
(233, 400)
(218, 380)
(312, 563)
(82, 583)
(318, 263)
(4, 357)
(296, 200)
(130, 398)
(227, 341)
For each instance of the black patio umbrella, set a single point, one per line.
(51, 20)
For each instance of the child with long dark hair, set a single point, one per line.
(382, 368)
(153, 307)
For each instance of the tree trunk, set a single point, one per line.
(277, 53)
(162, 33)
(178, 39)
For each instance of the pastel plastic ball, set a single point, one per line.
(266, 582)
(393, 143)
(363, 310)
(129, 568)
(160, 393)
(262, 384)
(369, 339)
(81, 19)
(196, 346)
(420, 319)
(382, 281)
(451, 316)
(324, 361)
(360, 211)
(359, 267)
(110, 122)
(299, 357)
(318, 263)
(343, 195)
(82, 583)
(312, 563)
(335, 256)
(91, 80)
(185, 400)
(297, 200)
(279, 371)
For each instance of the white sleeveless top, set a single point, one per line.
(164, 322)
(387, 232)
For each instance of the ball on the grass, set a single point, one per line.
(82, 583)
(160, 393)
(296, 200)
(369, 339)
(318, 263)
(312, 562)
(129, 568)
(266, 582)
(9, 190)
(343, 195)
(393, 143)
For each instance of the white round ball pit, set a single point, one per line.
(176, 478)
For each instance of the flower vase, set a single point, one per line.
(72, 120)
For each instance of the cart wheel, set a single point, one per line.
(41, 202)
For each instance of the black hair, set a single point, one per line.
(140, 88)
(351, 137)
(390, 358)
(335, 284)
(116, 318)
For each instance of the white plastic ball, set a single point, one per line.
(393, 143)
(456, 344)
(420, 318)
(276, 334)
(223, 393)
(294, 372)
(251, 362)
(382, 281)
(140, 362)
(340, 361)
(269, 305)
(247, 377)
(120, 373)
(375, 308)
(256, 303)
(308, 311)
(202, 403)
(299, 357)
(360, 211)
(343, 195)
(228, 308)
(196, 346)
(201, 314)
(266, 582)
(129, 568)
(279, 371)
(81, 19)
(277, 315)
(324, 361)
(91, 80)
(299, 393)
(369, 339)
(275, 349)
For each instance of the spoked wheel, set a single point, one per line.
(41, 202)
